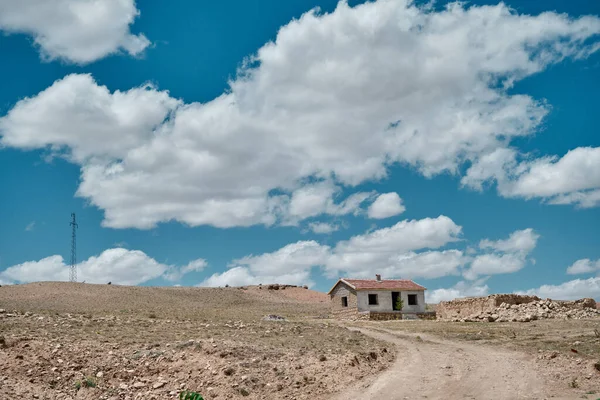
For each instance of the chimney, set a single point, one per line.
(378, 277)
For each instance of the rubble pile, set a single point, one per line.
(521, 310)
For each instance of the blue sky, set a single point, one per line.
(249, 142)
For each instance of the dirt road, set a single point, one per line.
(433, 368)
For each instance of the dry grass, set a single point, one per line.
(545, 335)
(199, 304)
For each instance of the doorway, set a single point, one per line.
(395, 297)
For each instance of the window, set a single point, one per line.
(412, 299)
(344, 301)
(373, 300)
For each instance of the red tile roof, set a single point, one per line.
(371, 284)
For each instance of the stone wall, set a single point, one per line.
(384, 316)
(428, 315)
(461, 308)
(337, 310)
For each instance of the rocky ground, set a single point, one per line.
(526, 312)
(145, 351)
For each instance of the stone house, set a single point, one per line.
(377, 299)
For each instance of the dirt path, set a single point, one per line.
(434, 368)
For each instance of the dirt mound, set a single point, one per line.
(514, 308)
(168, 302)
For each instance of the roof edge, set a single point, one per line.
(341, 280)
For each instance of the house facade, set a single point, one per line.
(377, 299)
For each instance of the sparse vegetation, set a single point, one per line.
(89, 382)
(399, 304)
(190, 396)
(573, 383)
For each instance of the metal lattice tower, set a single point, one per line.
(73, 270)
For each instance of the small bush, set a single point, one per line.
(573, 383)
(190, 396)
(399, 304)
(152, 315)
(89, 382)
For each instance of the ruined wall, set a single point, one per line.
(462, 308)
(515, 308)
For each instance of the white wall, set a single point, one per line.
(385, 300)
(420, 307)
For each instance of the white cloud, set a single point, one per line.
(50, 268)
(428, 264)
(508, 255)
(317, 199)
(389, 251)
(175, 273)
(460, 290)
(392, 251)
(290, 265)
(113, 123)
(78, 31)
(571, 290)
(120, 266)
(323, 228)
(492, 264)
(571, 179)
(337, 97)
(518, 241)
(386, 205)
(577, 173)
(584, 266)
(240, 276)
(30, 226)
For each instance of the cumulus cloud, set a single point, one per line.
(290, 265)
(386, 205)
(571, 179)
(322, 228)
(509, 255)
(318, 199)
(392, 251)
(571, 290)
(460, 290)
(114, 123)
(74, 30)
(120, 266)
(335, 97)
(493, 264)
(175, 273)
(584, 266)
(518, 242)
(389, 251)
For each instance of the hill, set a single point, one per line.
(247, 302)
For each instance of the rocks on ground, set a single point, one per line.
(522, 309)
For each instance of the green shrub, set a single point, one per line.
(89, 382)
(399, 303)
(190, 396)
